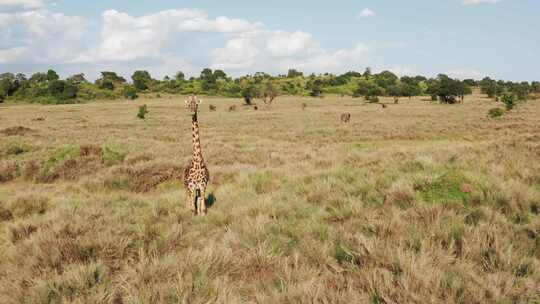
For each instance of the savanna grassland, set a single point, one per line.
(415, 203)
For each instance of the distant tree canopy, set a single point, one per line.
(47, 87)
(141, 80)
(448, 90)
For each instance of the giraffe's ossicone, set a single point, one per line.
(196, 175)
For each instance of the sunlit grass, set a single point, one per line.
(415, 203)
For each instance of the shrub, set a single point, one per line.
(130, 92)
(509, 101)
(16, 150)
(232, 108)
(304, 106)
(212, 107)
(142, 112)
(433, 97)
(248, 93)
(496, 112)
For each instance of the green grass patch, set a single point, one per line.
(343, 254)
(446, 188)
(111, 154)
(64, 153)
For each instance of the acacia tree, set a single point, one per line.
(448, 89)
(395, 91)
(293, 73)
(248, 93)
(52, 75)
(141, 80)
(77, 79)
(368, 89)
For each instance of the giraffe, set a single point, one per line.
(196, 174)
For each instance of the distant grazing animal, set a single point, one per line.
(345, 117)
(196, 175)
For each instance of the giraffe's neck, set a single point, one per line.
(197, 151)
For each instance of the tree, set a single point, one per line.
(219, 74)
(509, 100)
(37, 78)
(180, 76)
(385, 79)
(77, 79)
(368, 89)
(367, 73)
(8, 84)
(141, 80)
(395, 91)
(130, 92)
(209, 79)
(521, 90)
(470, 82)
(535, 87)
(293, 73)
(448, 89)
(52, 75)
(62, 90)
(248, 93)
(112, 77)
(106, 85)
(315, 87)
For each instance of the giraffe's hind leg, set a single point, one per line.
(191, 204)
(198, 207)
(202, 200)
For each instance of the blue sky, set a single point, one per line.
(463, 38)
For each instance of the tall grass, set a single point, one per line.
(416, 203)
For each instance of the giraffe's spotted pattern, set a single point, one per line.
(196, 175)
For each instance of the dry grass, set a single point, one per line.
(415, 203)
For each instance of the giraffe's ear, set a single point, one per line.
(185, 101)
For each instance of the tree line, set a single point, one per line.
(48, 88)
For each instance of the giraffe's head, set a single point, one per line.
(192, 103)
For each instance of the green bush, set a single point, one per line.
(496, 112)
(142, 112)
(130, 93)
(212, 107)
(509, 101)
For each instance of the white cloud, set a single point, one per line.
(124, 37)
(21, 3)
(474, 2)
(40, 36)
(367, 12)
(164, 42)
(277, 51)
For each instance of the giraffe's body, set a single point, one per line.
(196, 175)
